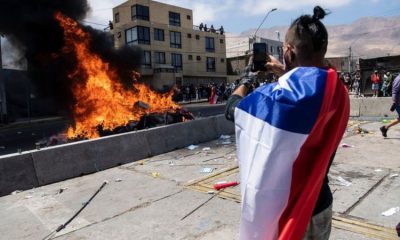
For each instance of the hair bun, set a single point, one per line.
(319, 13)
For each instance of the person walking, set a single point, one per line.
(287, 134)
(395, 106)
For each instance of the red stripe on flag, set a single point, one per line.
(310, 167)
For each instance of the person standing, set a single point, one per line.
(395, 105)
(376, 80)
(356, 83)
(287, 134)
(387, 81)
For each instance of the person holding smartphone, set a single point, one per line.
(287, 134)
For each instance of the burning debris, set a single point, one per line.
(94, 84)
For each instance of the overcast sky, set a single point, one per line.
(239, 15)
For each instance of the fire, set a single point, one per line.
(101, 100)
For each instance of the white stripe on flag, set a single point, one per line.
(266, 155)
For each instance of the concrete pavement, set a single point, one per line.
(147, 199)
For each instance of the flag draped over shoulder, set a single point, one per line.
(286, 133)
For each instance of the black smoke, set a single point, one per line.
(31, 27)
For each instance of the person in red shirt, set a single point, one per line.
(376, 80)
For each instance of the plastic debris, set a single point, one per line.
(118, 180)
(155, 174)
(385, 121)
(192, 147)
(141, 162)
(394, 175)
(16, 192)
(225, 137)
(61, 190)
(391, 211)
(28, 196)
(206, 149)
(226, 142)
(225, 185)
(378, 170)
(343, 182)
(171, 163)
(345, 145)
(207, 170)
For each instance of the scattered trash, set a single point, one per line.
(192, 147)
(345, 145)
(225, 185)
(394, 175)
(28, 196)
(16, 192)
(171, 163)
(141, 162)
(155, 174)
(207, 170)
(211, 192)
(391, 211)
(343, 182)
(385, 121)
(206, 149)
(378, 170)
(225, 137)
(118, 180)
(226, 142)
(61, 190)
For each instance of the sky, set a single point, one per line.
(239, 15)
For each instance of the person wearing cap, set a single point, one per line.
(376, 80)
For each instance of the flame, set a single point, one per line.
(101, 100)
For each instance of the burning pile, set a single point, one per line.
(76, 70)
(101, 100)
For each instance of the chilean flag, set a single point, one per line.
(286, 133)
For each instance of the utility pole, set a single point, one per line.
(350, 67)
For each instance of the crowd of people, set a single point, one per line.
(381, 82)
(203, 27)
(214, 93)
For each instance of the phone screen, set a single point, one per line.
(259, 56)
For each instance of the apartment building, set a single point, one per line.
(172, 45)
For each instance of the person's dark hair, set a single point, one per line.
(308, 34)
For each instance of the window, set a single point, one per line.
(116, 18)
(140, 12)
(176, 60)
(210, 44)
(174, 19)
(197, 37)
(189, 35)
(188, 17)
(175, 38)
(272, 50)
(221, 41)
(137, 35)
(158, 34)
(146, 63)
(198, 58)
(222, 60)
(159, 57)
(210, 64)
(190, 57)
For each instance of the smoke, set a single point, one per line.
(30, 27)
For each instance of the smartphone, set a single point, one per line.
(260, 56)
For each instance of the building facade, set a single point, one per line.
(168, 38)
(238, 49)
